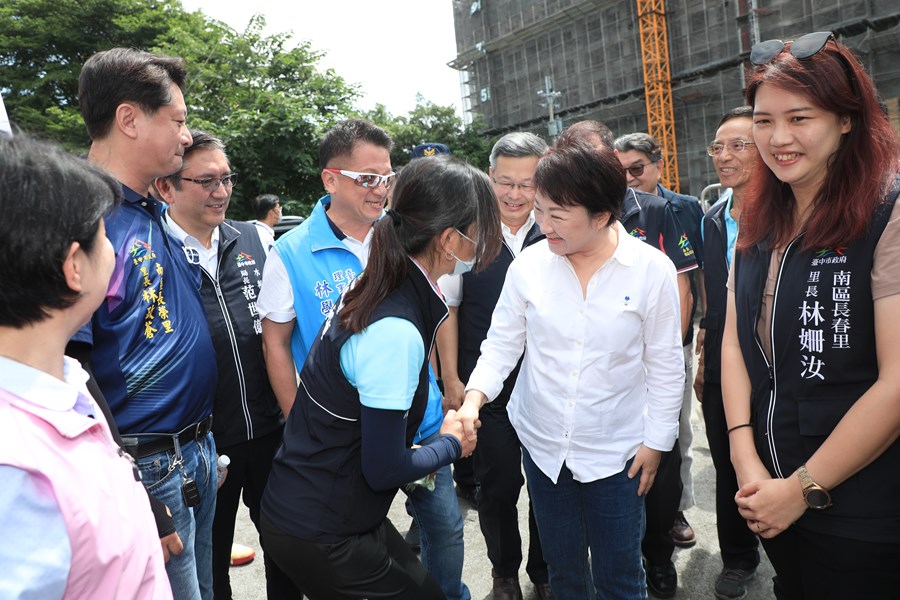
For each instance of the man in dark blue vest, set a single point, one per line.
(642, 158)
(472, 297)
(248, 423)
(735, 157)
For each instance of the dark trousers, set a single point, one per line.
(498, 468)
(248, 472)
(815, 565)
(464, 472)
(738, 545)
(375, 564)
(662, 507)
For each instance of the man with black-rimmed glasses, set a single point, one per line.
(248, 424)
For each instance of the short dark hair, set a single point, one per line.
(641, 142)
(429, 197)
(119, 75)
(262, 204)
(741, 112)
(586, 128)
(341, 139)
(202, 141)
(574, 173)
(49, 199)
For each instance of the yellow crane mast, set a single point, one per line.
(658, 84)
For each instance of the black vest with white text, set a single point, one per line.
(823, 361)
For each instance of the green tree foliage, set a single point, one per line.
(430, 122)
(267, 98)
(43, 44)
(268, 102)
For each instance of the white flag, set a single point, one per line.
(4, 120)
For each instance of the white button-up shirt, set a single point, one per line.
(603, 372)
(197, 253)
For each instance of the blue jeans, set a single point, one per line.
(190, 573)
(441, 532)
(606, 516)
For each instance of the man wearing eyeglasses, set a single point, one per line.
(311, 265)
(248, 424)
(472, 297)
(642, 158)
(734, 156)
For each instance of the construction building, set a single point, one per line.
(539, 65)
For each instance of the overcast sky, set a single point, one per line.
(393, 49)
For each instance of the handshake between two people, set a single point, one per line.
(463, 424)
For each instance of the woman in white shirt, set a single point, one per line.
(598, 396)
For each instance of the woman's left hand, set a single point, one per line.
(771, 505)
(647, 462)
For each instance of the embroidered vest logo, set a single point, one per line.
(638, 233)
(685, 244)
(829, 318)
(141, 251)
(244, 260)
(829, 256)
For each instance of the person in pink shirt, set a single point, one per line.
(75, 518)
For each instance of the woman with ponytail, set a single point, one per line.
(363, 390)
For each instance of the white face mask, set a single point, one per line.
(462, 266)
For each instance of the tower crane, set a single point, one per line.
(658, 84)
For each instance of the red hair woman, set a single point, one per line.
(810, 362)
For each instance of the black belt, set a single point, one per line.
(138, 448)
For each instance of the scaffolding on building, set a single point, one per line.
(592, 51)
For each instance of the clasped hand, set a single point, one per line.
(454, 425)
(771, 505)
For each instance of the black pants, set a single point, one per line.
(375, 564)
(464, 472)
(815, 565)
(739, 546)
(498, 468)
(662, 507)
(249, 470)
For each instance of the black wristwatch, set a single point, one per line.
(817, 497)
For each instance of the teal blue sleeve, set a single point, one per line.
(383, 363)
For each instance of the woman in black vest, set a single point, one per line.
(810, 359)
(363, 390)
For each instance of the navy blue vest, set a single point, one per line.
(823, 360)
(317, 490)
(245, 406)
(480, 294)
(715, 274)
